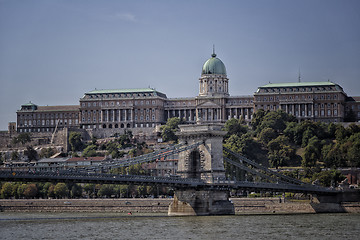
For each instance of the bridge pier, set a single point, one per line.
(201, 203)
(203, 163)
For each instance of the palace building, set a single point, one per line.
(34, 118)
(147, 108)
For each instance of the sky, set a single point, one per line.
(53, 51)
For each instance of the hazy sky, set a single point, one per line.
(53, 51)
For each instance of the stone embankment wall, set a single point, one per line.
(160, 205)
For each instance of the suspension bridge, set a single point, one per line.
(201, 181)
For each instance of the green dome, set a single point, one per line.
(214, 66)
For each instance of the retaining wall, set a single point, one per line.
(161, 205)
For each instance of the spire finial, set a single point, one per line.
(299, 79)
(213, 55)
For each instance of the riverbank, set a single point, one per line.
(160, 205)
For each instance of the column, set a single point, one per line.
(125, 115)
(306, 110)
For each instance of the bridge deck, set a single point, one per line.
(176, 182)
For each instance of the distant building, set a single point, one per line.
(317, 101)
(122, 108)
(34, 118)
(147, 108)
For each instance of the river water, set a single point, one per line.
(154, 226)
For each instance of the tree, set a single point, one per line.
(22, 138)
(2, 158)
(266, 135)
(257, 118)
(20, 190)
(47, 152)
(61, 190)
(6, 190)
(312, 153)
(30, 191)
(31, 153)
(329, 178)
(235, 126)
(75, 141)
(106, 190)
(169, 129)
(76, 191)
(90, 151)
(89, 189)
(15, 155)
(280, 152)
(276, 120)
(353, 151)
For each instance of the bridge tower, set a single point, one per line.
(205, 163)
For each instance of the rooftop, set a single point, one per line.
(127, 91)
(298, 84)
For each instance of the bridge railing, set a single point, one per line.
(76, 175)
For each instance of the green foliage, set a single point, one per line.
(106, 190)
(31, 153)
(89, 189)
(245, 145)
(276, 120)
(7, 190)
(169, 129)
(75, 141)
(280, 152)
(22, 138)
(235, 126)
(15, 155)
(30, 191)
(257, 118)
(312, 153)
(47, 152)
(266, 135)
(2, 158)
(90, 151)
(76, 191)
(329, 178)
(61, 190)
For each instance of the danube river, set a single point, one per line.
(144, 226)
